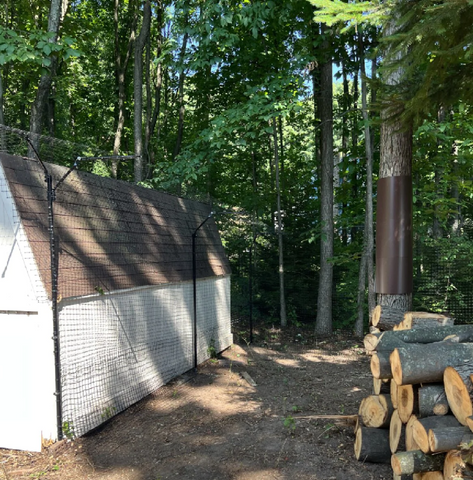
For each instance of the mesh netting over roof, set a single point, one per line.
(111, 234)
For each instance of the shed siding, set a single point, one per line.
(117, 348)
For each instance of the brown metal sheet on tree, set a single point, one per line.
(394, 236)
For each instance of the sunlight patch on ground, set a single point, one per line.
(288, 362)
(318, 356)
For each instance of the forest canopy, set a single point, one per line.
(266, 108)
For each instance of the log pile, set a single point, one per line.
(420, 415)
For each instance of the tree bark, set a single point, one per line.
(121, 66)
(385, 317)
(282, 296)
(372, 445)
(422, 426)
(366, 267)
(138, 91)
(444, 439)
(38, 108)
(380, 365)
(432, 400)
(425, 320)
(426, 363)
(395, 160)
(387, 340)
(415, 461)
(323, 324)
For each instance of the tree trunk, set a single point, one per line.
(38, 108)
(426, 363)
(121, 66)
(366, 267)
(323, 324)
(282, 296)
(372, 445)
(138, 91)
(180, 94)
(422, 426)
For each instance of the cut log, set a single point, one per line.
(376, 411)
(385, 317)
(459, 390)
(381, 365)
(371, 341)
(409, 434)
(469, 422)
(426, 363)
(372, 445)
(448, 438)
(381, 386)
(428, 476)
(426, 320)
(407, 401)
(432, 400)
(422, 426)
(453, 463)
(374, 329)
(393, 386)
(415, 461)
(397, 432)
(454, 334)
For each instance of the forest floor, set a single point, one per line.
(213, 425)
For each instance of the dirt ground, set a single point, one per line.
(213, 425)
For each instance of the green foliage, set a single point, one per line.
(68, 429)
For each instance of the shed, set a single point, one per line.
(124, 300)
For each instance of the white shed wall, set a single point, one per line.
(117, 348)
(27, 401)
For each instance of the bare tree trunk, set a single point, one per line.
(121, 65)
(324, 298)
(282, 296)
(182, 107)
(39, 106)
(368, 238)
(138, 91)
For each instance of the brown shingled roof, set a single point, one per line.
(112, 234)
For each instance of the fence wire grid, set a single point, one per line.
(128, 320)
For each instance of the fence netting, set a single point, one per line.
(129, 318)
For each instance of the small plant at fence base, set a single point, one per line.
(108, 412)
(68, 430)
(211, 350)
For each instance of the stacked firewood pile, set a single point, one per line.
(420, 416)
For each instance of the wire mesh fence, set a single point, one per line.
(443, 272)
(130, 307)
